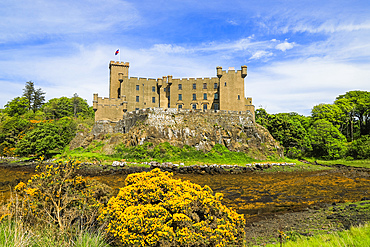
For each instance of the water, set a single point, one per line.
(254, 194)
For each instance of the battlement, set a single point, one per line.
(115, 63)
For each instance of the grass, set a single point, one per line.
(14, 233)
(356, 236)
(164, 152)
(354, 163)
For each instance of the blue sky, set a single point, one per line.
(298, 53)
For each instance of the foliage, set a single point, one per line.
(11, 131)
(58, 196)
(35, 96)
(155, 209)
(67, 107)
(288, 130)
(46, 136)
(17, 106)
(360, 148)
(327, 141)
(355, 105)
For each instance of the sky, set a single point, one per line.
(299, 53)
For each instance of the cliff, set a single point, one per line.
(199, 129)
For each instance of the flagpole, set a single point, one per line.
(119, 53)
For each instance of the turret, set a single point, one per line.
(244, 71)
(219, 71)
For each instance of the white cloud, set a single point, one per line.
(261, 54)
(285, 46)
(22, 20)
(298, 85)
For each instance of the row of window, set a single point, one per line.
(195, 96)
(138, 99)
(138, 88)
(205, 106)
(215, 86)
(180, 97)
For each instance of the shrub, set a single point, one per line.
(155, 209)
(59, 196)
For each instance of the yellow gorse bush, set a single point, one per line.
(154, 209)
(59, 196)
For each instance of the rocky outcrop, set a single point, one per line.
(199, 129)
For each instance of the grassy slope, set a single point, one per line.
(356, 236)
(354, 163)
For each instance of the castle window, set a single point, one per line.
(225, 83)
(217, 107)
(204, 85)
(238, 97)
(153, 99)
(194, 86)
(204, 96)
(216, 95)
(194, 106)
(168, 97)
(194, 96)
(180, 96)
(205, 107)
(137, 98)
(137, 87)
(180, 86)
(180, 107)
(153, 89)
(215, 85)
(136, 109)
(168, 106)
(164, 89)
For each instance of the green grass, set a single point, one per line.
(165, 152)
(356, 236)
(354, 163)
(15, 234)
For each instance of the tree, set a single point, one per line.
(330, 112)
(67, 107)
(35, 97)
(326, 140)
(288, 130)
(45, 137)
(17, 106)
(361, 109)
(360, 148)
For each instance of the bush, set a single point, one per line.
(155, 209)
(58, 196)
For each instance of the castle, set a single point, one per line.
(126, 94)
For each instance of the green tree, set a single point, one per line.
(326, 140)
(361, 109)
(67, 107)
(11, 130)
(330, 112)
(17, 106)
(46, 137)
(288, 130)
(35, 97)
(360, 148)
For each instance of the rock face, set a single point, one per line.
(199, 129)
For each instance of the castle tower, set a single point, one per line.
(118, 72)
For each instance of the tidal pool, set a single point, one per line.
(254, 194)
(260, 193)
